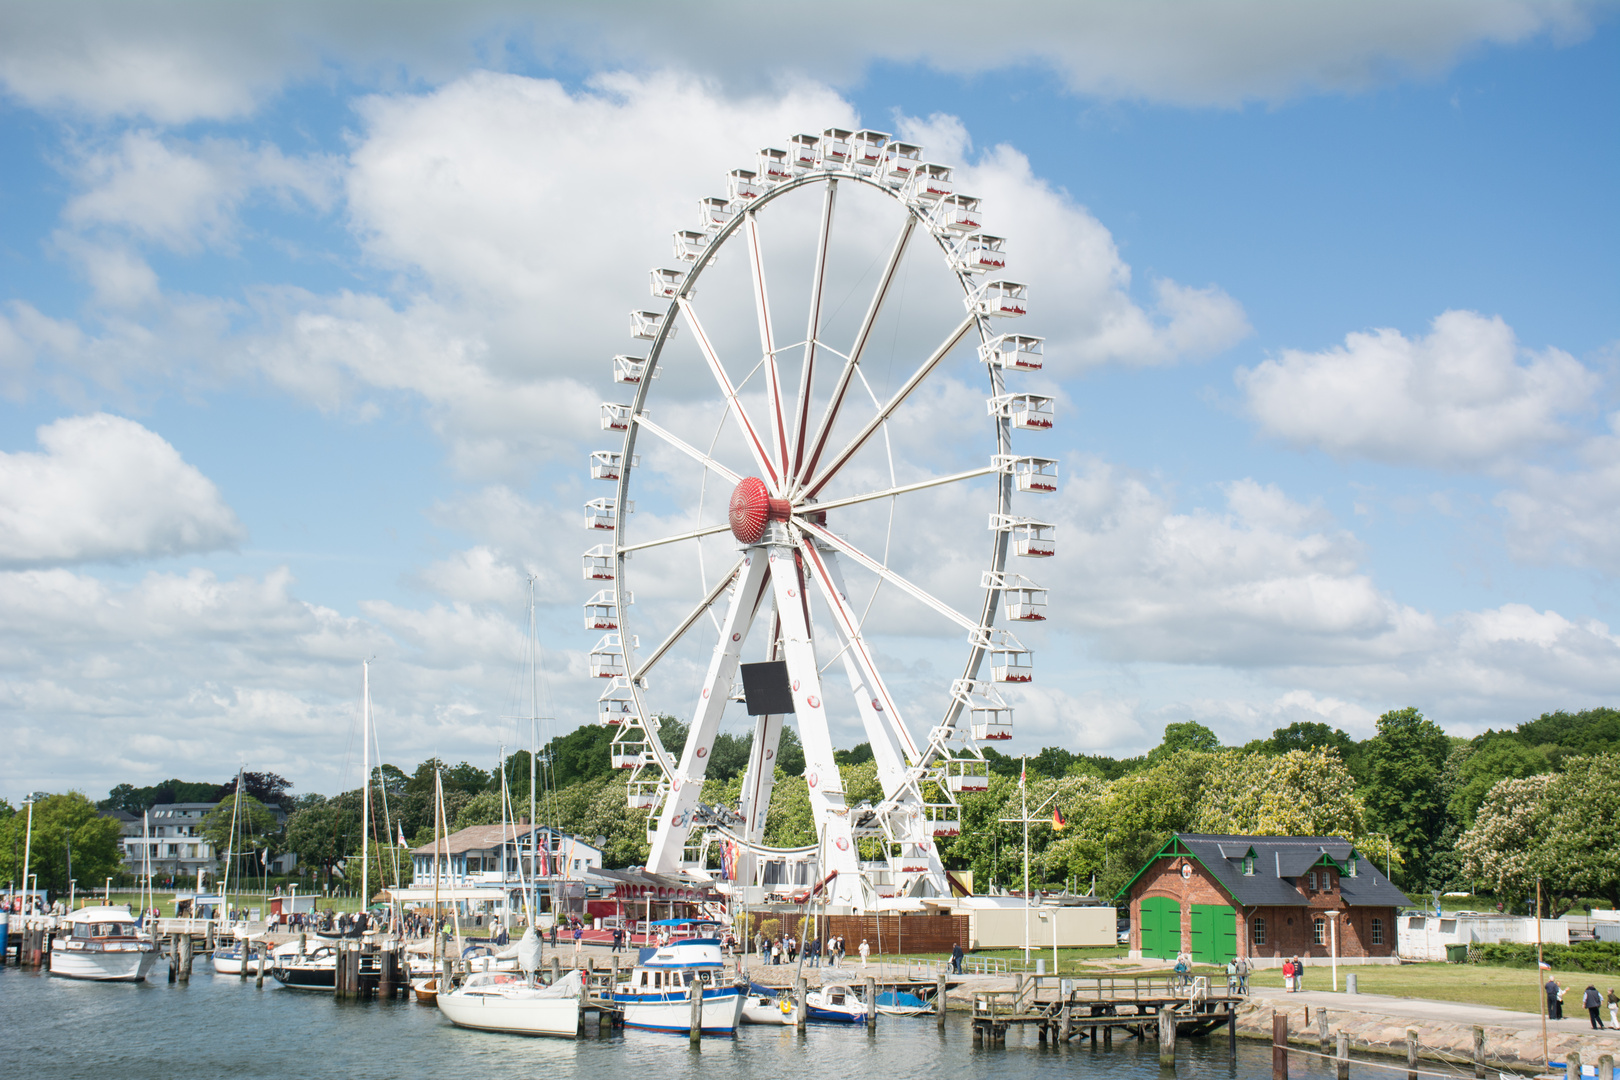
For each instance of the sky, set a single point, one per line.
(306, 312)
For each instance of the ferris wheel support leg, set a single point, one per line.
(759, 779)
(821, 774)
(686, 786)
(919, 860)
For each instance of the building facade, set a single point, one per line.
(1264, 898)
(178, 848)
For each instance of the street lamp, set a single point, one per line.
(109, 892)
(1333, 937)
(28, 846)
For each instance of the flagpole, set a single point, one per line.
(1023, 800)
(1542, 989)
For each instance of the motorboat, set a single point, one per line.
(507, 1001)
(657, 995)
(104, 944)
(228, 959)
(765, 1005)
(903, 1003)
(312, 970)
(835, 1003)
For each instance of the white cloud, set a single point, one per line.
(175, 62)
(1464, 396)
(106, 488)
(1569, 516)
(184, 197)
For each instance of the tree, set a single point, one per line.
(1298, 793)
(1403, 793)
(1584, 846)
(252, 819)
(67, 829)
(1506, 847)
(855, 755)
(482, 809)
(1189, 735)
(1491, 759)
(268, 788)
(320, 834)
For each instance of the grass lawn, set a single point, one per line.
(164, 901)
(1505, 988)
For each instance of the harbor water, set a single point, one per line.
(220, 1026)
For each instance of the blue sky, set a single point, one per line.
(303, 317)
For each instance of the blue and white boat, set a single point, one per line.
(835, 1003)
(657, 995)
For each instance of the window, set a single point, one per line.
(1259, 925)
(1378, 931)
(1319, 931)
(1313, 881)
(1248, 866)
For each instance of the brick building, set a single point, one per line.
(1267, 898)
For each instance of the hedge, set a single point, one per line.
(1596, 957)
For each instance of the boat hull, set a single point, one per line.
(556, 1017)
(316, 977)
(124, 965)
(722, 1011)
(227, 962)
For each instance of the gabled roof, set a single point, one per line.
(1277, 861)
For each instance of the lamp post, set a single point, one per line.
(28, 845)
(1333, 937)
(108, 892)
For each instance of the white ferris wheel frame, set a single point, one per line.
(774, 575)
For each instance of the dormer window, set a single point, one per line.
(1248, 866)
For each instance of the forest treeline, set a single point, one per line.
(1495, 812)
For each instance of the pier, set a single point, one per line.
(1065, 1009)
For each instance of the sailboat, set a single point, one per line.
(317, 969)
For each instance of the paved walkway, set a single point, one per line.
(1451, 1012)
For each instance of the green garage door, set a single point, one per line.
(1161, 927)
(1214, 933)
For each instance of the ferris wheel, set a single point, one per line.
(758, 498)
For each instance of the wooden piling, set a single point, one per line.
(871, 1003)
(695, 1036)
(258, 981)
(801, 1007)
(1322, 1030)
(556, 969)
(385, 972)
(1572, 1071)
(1167, 1038)
(185, 957)
(1411, 1053)
(1279, 1046)
(1342, 1060)
(941, 986)
(1606, 1067)
(1479, 1053)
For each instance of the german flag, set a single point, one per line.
(1058, 820)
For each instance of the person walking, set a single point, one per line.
(956, 958)
(1553, 999)
(1288, 976)
(1243, 974)
(1614, 1008)
(1299, 974)
(1594, 1004)
(618, 939)
(579, 942)
(866, 951)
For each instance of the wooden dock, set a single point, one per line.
(1064, 1009)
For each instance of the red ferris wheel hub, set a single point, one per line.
(752, 506)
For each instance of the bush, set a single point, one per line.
(1596, 957)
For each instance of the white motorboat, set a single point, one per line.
(657, 994)
(764, 1007)
(506, 1001)
(835, 1003)
(103, 944)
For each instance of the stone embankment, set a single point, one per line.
(1445, 1030)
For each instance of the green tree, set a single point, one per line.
(482, 809)
(1403, 794)
(1507, 845)
(252, 819)
(67, 829)
(1298, 793)
(1492, 759)
(1189, 735)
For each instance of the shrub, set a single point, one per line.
(1596, 957)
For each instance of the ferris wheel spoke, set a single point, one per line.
(832, 540)
(762, 456)
(804, 468)
(688, 449)
(885, 728)
(686, 624)
(801, 425)
(870, 496)
(767, 343)
(899, 398)
(676, 539)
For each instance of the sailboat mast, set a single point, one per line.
(230, 845)
(534, 723)
(365, 791)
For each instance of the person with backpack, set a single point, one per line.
(1593, 1002)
